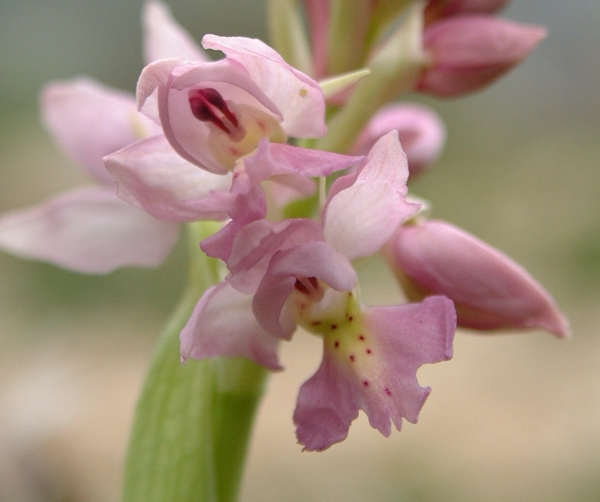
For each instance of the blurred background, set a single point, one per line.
(511, 417)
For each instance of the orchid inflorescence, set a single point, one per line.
(307, 168)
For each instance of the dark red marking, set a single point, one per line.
(368, 351)
(387, 391)
(352, 358)
(361, 337)
(301, 287)
(366, 383)
(336, 344)
(205, 105)
(333, 326)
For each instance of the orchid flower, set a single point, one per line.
(299, 273)
(214, 113)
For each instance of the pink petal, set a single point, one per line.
(311, 259)
(151, 176)
(256, 243)
(299, 98)
(222, 325)
(489, 289)
(275, 159)
(87, 230)
(89, 121)
(164, 38)
(421, 132)
(470, 52)
(365, 208)
(375, 371)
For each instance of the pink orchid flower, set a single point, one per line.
(299, 273)
(421, 131)
(471, 51)
(214, 113)
(489, 290)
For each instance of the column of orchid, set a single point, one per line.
(303, 158)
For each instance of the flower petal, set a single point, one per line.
(89, 121)
(421, 132)
(164, 38)
(489, 289)
(311, 259)
(222, 325)
(151, 176)
(88, 230)
(364, 209)
(375, 371)
(297, 96)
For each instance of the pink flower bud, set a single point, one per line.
(470, 52)
(489, 290)
(421, 132)
(437, 9)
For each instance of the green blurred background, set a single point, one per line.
(510, 417)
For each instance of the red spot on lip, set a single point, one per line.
(336, 344)
(352, 357)
(316, 323)
(361, 337)
(333, 326)
(368, 351)
(387, 391)
(365, 383)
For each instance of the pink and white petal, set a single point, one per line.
(164, 38)
(151, 176)
(366, 207)
(421, 132)
(311, 259)
(222, 325)
(153, 76)
(374, 371)
(88, 230)
(256, 243)
(89, 120)
(245, 209)
(299, 97)
(276, 159)
(489, 289)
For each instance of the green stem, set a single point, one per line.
(193, 421)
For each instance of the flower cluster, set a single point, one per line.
(228, 140)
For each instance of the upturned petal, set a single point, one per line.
(370, 364)
(89, 121)
(88, 230)
(222, 325)
(490, 291)
(364, 208)
(470, 52)
(151, 176)
(297, 96)
(421, 132)
(164, 38)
